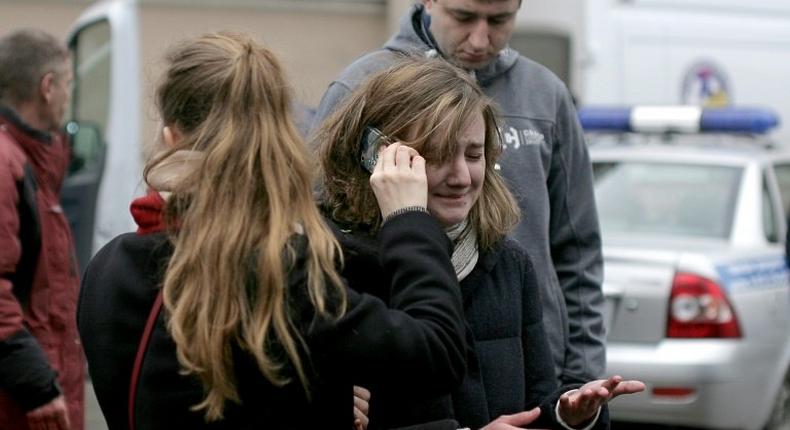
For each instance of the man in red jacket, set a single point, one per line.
(41, 362)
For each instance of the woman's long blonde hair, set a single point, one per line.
(415, 100)
(234, 216)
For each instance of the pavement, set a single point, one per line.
(94, 420)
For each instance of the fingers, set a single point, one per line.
(403, 157)
(617, 386)
(611, 382)
(397, 156)
(399, 179)
(34, 424)
(362, 392)
(62, 420)
(386, 157)
(418, 164)
(360, 420)
(51, 416)
(566, 404)
(43, 422)
(579, 406)
(361, 407)
(515, 421)
(522, 418)
(628, 387)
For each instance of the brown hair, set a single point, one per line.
(413, 101)
(227, 279)
(25, 57)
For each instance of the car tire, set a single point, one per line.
(780, 414)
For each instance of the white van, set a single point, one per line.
(118, 46)
(106, 169)
(654, 52)
(633, 52)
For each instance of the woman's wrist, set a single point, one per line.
(403, 210)
(586, 425)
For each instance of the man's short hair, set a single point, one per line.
(25, 57)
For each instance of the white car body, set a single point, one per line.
(721, 383)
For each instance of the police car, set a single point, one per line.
(693, 206)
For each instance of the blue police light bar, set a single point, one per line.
(678, 119)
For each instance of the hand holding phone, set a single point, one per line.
(399, 180)
(372, 140)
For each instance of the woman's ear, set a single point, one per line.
(171, 136)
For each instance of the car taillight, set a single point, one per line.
(699, 309)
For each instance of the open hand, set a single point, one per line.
(578, 406)
(513, 422)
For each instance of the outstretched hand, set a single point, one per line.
(513, 422)
(399, 180)
(578, 406)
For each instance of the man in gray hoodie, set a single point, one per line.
(545, 161)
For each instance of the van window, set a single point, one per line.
(770, 227)
(782, 173)
(91, 98)
(553, 50)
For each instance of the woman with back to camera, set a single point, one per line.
(256, 328)
(438, 110)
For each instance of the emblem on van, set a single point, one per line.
(705, 84)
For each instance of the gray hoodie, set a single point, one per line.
(547, 167)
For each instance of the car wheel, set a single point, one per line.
(780, 415)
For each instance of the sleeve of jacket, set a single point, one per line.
(576, 246)
(419, 341)
(334, 95)
(24, 370)
(548, 418)
(540, 380)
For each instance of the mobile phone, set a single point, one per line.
(372, 140)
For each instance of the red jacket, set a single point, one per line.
(40, 353)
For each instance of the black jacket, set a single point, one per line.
(546, 165)
(509, 365)
(419, 341)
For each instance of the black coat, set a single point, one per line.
(509, 365)
(420, 341)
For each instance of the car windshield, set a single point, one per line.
(666, 198)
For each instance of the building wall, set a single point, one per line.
(54, 17)
(313, 45)
(314, 39)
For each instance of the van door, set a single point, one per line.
(105, 172)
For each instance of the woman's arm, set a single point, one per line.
(418, 341)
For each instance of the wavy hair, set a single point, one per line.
(425, 103)
(226, 284)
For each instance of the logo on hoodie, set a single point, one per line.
(513, 138)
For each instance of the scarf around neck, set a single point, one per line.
(465, 251)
